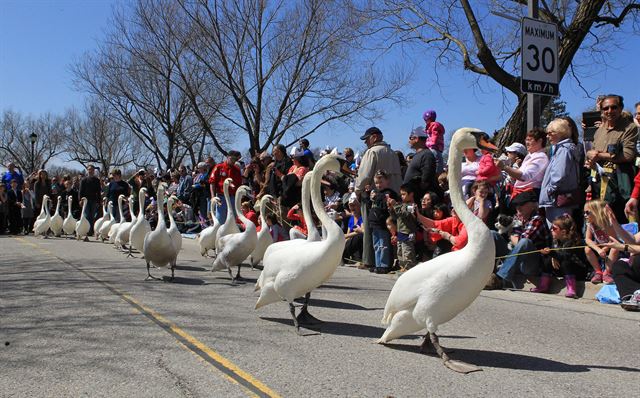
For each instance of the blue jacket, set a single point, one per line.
(562, 173)
(8, 176)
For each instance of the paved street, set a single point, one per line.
(78, 319)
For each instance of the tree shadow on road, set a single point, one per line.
(335, 304)
(189, 268)
(506, 360)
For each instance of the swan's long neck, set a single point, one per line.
(172, 222)
(247, 223)
(312, 231)
(470, 221)
(263, 210)
(84, 208)
(45, 204)
(104, 208)
(69, 204)
(318, 206)
(141, 195)
(120, 198)
(58, 205)
(227, 198)
(159, 204)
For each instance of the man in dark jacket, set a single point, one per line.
(421, 172)
(90, 189)
(14, 201)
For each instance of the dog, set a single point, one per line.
(505, 225)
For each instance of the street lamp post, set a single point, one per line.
(34, 138)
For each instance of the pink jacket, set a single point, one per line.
(435, 136)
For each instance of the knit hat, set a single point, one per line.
(429, 115)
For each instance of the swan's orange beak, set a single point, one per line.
(483, 142)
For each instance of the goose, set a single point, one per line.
(207, 237)
(83, 226)
(229, 226)
(264, 236)
(176, 236)
(41, 226)
(105, 218)
(122, 237)
(232, 249)
(141, 227)
(56, 220)
(296, 270)
(113, 231)
(434, 292)
(107, 223)
(158, 247)
(69, 224)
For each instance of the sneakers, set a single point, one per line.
(607, 279)
(381, 270)
(632, 302)
(597, 278)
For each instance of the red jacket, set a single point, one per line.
(636, 187)
(221, 172)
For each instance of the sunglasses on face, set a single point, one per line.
(610, 107)
(555, 228)
(587, 213)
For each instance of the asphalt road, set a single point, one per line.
(78, 319)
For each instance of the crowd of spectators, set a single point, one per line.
(567, 204)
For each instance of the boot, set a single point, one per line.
(570, 281)
(543, 285)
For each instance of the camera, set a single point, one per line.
(614, 149)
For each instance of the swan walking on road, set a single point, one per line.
(141, 227)
(56, 220)
(69, 224)
(41, 225)
(83, 226)
(434, 292)
(264, 236)
(158, 247)
(207, 237)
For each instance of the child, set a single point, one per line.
(392, 226)
(568, 262)
(479, 203)
(298, 231)
(407, 226)
(275, 229)
(597, 232)
(249, 213)
(378, 219)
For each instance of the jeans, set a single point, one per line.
(90, 213)
(221, 210)
(381, 247)
(528, 264)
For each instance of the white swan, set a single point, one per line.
(298, 269)
(141, 227)
(83, 226)
(207, 237)
(107, 223)
(158, 247)
(176, 236)
(113, 231)
(264, 236)
(69, 224)
(105, 218)
(229, 226)
(122, 236)
(41, 225)
(434, 292)
(233, 249)
(56, 220)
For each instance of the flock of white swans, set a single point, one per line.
(424, 297)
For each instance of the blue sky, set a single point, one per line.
(40, 38)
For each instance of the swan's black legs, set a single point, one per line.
(129, 253)
(292, 310)
(305, 317)
(458, 366)
(149, 277)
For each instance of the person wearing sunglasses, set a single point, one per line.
(421, 171)
(614, 151)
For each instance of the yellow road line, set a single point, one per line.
(230, 370)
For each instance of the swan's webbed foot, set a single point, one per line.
(149, 276)
(86, 239)
(237, 278)
(457, 366)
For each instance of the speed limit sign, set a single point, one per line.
(539, 57)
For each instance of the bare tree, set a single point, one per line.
(462, 35)
(286, 68)
(96, 137)
(131, 72)
(15, 140)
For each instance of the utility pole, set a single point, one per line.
(34, 138)
(533, 101)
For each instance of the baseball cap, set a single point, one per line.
(524, 197)
(370, 131)
(518, 148)
(418, 133)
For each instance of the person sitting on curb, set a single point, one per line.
(532, 235)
